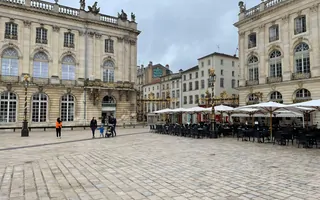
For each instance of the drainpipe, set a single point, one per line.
(85, 72)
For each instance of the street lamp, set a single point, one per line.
(25, 129)
(212, 80)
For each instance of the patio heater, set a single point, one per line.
(212, 80)
(25, 129)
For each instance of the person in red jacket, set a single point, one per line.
(58, 127)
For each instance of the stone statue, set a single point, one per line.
(82, 4)
(123, 16)
(94, 8)
(242, 6)
(133, 17)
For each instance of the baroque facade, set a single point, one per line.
(279, 51)
(81, 64)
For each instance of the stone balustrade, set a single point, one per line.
(64, 10)
(261, 7)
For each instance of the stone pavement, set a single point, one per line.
(146, 166)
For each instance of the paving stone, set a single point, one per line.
(140, 165)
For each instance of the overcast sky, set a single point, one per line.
(178, 32)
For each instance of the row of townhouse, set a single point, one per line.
(187, 88)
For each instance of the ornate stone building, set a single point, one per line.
(81, 64)
(279, 51)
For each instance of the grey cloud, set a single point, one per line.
(178, 32)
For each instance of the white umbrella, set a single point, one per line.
(178, 110)
(315, 104)
(269, 107)
(305, 110)
(195, 110)
(249, 111)
(167, 110)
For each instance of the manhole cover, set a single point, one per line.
(273, 167)
(212, 154)
(28, 162)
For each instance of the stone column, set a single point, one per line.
(242, 59)
(81, 54)
(90, 54)
(25, 37)
(314, 29)
(120, 73)
(263, 69)
(55, 52)
(127, 58)
(287, 52)
(97, 57)
(133, 47)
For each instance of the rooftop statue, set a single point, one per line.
(123, 16)
(94, 8)
(133, 17)
(82, 4)
(242, 6)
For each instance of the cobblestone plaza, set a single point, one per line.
(140, 165)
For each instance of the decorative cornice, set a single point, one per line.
(285, 18)
(98, 35)
(132, 42)
(27, 23)
(56, 28)
(314, 8)
(120, 39)
(91, 34)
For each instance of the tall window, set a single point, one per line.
(108, 48)
(108, 71)
(202, 84)
(190, 99)
(274, 33)
(40, 65)
(8, 107)
(275, 64)
(196, 86)
(190, 85)
(69, 40)
(276, 96)
(184, 87)
(221, 72)
(11, 31)
(10, 62)
(252, 38)
(196, 99)
(68, 68)
(300, 25)
(67, 108)
(39, 107)
(178, 93)
(185, 101)
(233, 83)
(302, 59)
(222, 82)
(41, 36)
(253, 68)
(303, 94)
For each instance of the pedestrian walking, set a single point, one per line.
(93, 126)
(114, 121)
(58, 128)
(101, 129)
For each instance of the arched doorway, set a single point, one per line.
(108, 107)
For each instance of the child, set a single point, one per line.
(101, 130)
(108, 132)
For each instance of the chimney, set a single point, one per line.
(142, 66)
(234, 55)
(167, 66)
(180, 71)
(150, 63)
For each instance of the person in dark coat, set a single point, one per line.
(103, 121)
(114, 122)
(93, 126)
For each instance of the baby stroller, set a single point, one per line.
(109, 130)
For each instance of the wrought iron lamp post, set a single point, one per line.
(25, 128)
(212, 80)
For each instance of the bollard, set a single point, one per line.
(124, 125)
(134, 125)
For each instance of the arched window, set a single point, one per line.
(40, 65)
(67, 108)
(10, 62)
(302, 59)
(275, 64)
(108, 101)
(253, 68)
(303, 94)
(108, 71)
(8, 107)
(39, 107)
(276, 97)
(253, 99)
(68, 68)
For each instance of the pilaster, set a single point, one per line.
(242, 59)
(25, 37)
(98, 57)
(263, 68)
(90, 55)
(120, 59)
(55, 51)
(82, 54)
(287, 54)
(314, 54)
(133, 60)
